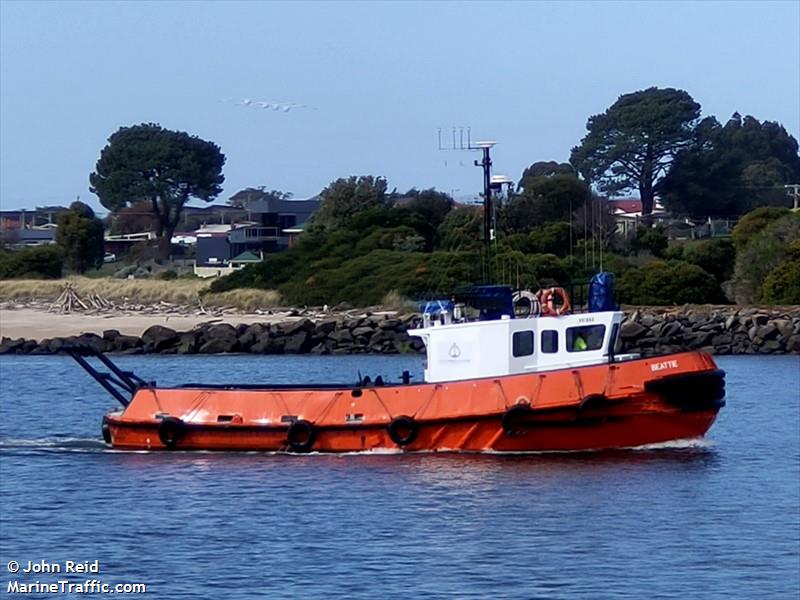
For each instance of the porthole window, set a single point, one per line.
(522, 343)
(550, 341)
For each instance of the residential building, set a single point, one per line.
(273, 225)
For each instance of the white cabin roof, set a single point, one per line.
(508, 346)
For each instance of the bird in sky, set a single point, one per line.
(271, 105)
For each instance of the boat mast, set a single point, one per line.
(488, 230)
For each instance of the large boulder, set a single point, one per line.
(251, 335)
(127, 343)
(268, 345)
(341, 336)
(216, 339)
(221, 345)
(188, 342)
(363, 332)
(158, 338)
(9, 346)
(325, 327)
(292, 328)
(632, 331)
(90, 341)
(298, 343)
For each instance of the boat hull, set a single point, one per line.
(615, 405)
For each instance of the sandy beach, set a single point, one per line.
(38, 324)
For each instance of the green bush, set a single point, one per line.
(754, 223)
(650, 239)
(782, 284)
(669, 283)
(167, 275)
(763, 252)
(37, 262)
(552, 238)
(715, 256)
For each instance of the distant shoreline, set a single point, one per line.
(30, 328)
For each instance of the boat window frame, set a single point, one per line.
(611, 349)
(530, 340)
(589, 335)
(552, 346)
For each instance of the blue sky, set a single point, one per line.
(374, 81)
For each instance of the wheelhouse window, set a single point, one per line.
(522, 343)
(612, 339)
(550, 341)
(589, 337)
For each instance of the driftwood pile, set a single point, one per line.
(69, 300)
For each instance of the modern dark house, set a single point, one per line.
(271, 225)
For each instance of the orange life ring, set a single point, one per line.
(547, 299)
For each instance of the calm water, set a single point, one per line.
(712, 519)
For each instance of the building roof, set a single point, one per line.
(246, 257)
(285, 207)
(626, 205)
(215, 229)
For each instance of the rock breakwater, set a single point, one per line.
(723, 330)
(718, 330)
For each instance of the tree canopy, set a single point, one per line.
(346, 197)
(633, 143)
(550, 193)
(166, 168)
(80, 236)
(243, 198)
(727, 170)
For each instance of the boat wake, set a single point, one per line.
(690, 443)
(65, 444)
(79, 445)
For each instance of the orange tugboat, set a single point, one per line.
(494, 380)
(539, 383)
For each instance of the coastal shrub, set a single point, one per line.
(44, 262)
(669, 283)
(461, 229)
(763, 253)
(650, 239)
(346, 197)
(552, 238)
(167, 275)
(754, 223)
(715, 256)
(782, 284)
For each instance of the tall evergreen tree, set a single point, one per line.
(633, 143)
(165, 168)
(80, 236)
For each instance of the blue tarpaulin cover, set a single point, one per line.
(601, 293)
(433, 307)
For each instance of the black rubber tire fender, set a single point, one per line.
(403, 430)
(593, 401)
(170, 431)
(106, 430)
(301, 436)
(514, 420)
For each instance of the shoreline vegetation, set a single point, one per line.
(30, 324)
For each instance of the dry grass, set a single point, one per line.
(393, 300)
(138, 291)
(244, 299)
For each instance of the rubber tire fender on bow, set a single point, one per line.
(301, 436)
(514, 420)
(170, 431)
(403, 430)
(106, 430)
